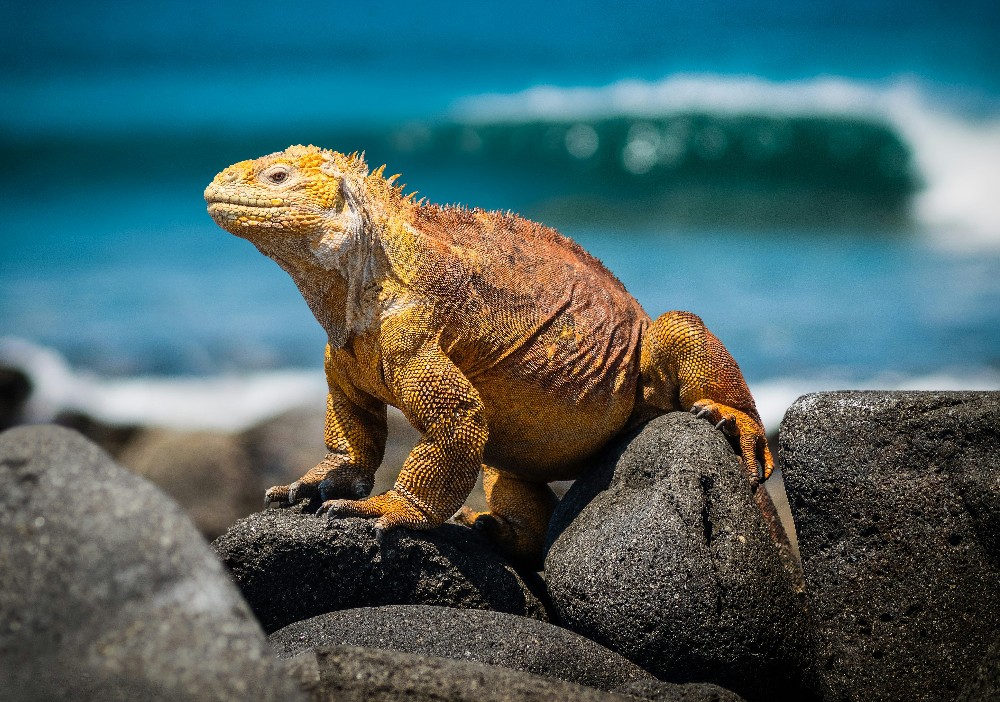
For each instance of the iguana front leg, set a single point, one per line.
(684, 366)
(355, 436)
(441, 469)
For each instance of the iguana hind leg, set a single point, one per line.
(684, 366)
(518, 517)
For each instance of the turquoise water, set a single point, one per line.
(818, 183)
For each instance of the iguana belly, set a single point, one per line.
(544, 436)
(555, 401)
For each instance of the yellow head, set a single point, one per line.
(302, 201)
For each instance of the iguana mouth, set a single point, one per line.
(242, 201)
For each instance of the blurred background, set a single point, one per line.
(819, 181)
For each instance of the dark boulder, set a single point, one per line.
(659, 691)
(897, 500)
(984, 684)
(662, 554)
(349, 674)
(292, 565)
(108, 592)
(15, 389)
(493, 638)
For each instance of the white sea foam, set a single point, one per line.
(776, 395)
(227, 402)
(236, 402)
(958, 157)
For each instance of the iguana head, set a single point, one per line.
(303, 201)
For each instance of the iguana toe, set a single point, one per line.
(300, 491)
(276, 496)
(746, 431)
(391, 509)
(332, 508)
(288, 495)
(353, 488)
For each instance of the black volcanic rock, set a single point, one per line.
(349, 674)
(15, 389)
(493, 638)
(897, 500)
(659, 691)
(108, 592)
(292, 565)
(662, 554)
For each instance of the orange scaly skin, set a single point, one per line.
(505, 344)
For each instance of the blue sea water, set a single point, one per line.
(819, 182)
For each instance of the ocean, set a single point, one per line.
(820, 184)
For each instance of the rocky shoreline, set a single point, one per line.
(665, 578)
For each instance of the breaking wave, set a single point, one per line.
(895, 143)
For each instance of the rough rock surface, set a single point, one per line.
(984, 684)
(662, 554)
(493, 638)
(107, 591)
(292, 565)
(659, 691)
(897, 500)
(349, 674)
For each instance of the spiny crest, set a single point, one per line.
(387, 187)
(339, 165)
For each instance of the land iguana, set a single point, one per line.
(506, 345)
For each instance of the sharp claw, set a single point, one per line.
(722, 422)
(271, 499)
(701, 412)
(330, 508)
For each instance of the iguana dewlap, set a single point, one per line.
(509, 347)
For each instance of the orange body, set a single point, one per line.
(509, 347)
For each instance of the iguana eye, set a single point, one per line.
(276, 175)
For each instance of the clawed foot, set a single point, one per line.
(524, 552)
(323, 491)
(288, 495)
(748, 432)
(485, 522)
(391, 509)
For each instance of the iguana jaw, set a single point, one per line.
(235, 212)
